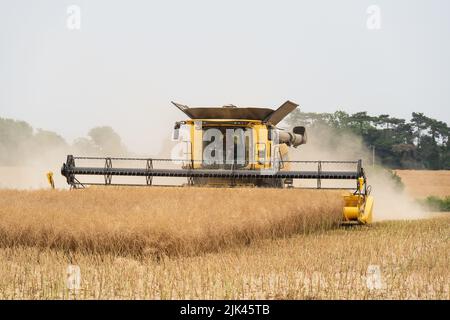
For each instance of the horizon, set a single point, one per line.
(70, 142)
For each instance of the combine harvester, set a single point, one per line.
(232, 147)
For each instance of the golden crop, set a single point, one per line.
(165, 243)
(424, 183)
(160, 221)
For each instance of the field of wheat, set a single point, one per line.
(424, 183)
(186, 243)
(160, 221)
(412, 259)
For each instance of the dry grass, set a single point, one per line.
(160, 221)
(413, 258)
(424, 183)
(274, 244)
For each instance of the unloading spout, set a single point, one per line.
(293, 139)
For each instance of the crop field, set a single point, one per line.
(329, 264)
(424, 183)
(172, 243)
(160, 221)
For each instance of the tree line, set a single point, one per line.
(420, 143)
(20, 143)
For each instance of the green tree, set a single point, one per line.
(49, 140)
(107, 140)
(86, 147)
(422, 142)
(15, 139)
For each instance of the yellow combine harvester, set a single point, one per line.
(231, 147)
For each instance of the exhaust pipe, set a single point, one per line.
(293, 139)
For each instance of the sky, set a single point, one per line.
(120, 63)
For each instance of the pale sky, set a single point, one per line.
(131, 58)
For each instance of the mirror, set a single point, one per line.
(176, 132)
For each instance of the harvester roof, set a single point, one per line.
(232, 112)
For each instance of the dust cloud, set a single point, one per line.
(391, 203)
(31, 171)
(28, 154)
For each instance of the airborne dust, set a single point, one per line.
(391, 203)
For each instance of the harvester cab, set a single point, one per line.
(231, 147)
(231, 138)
